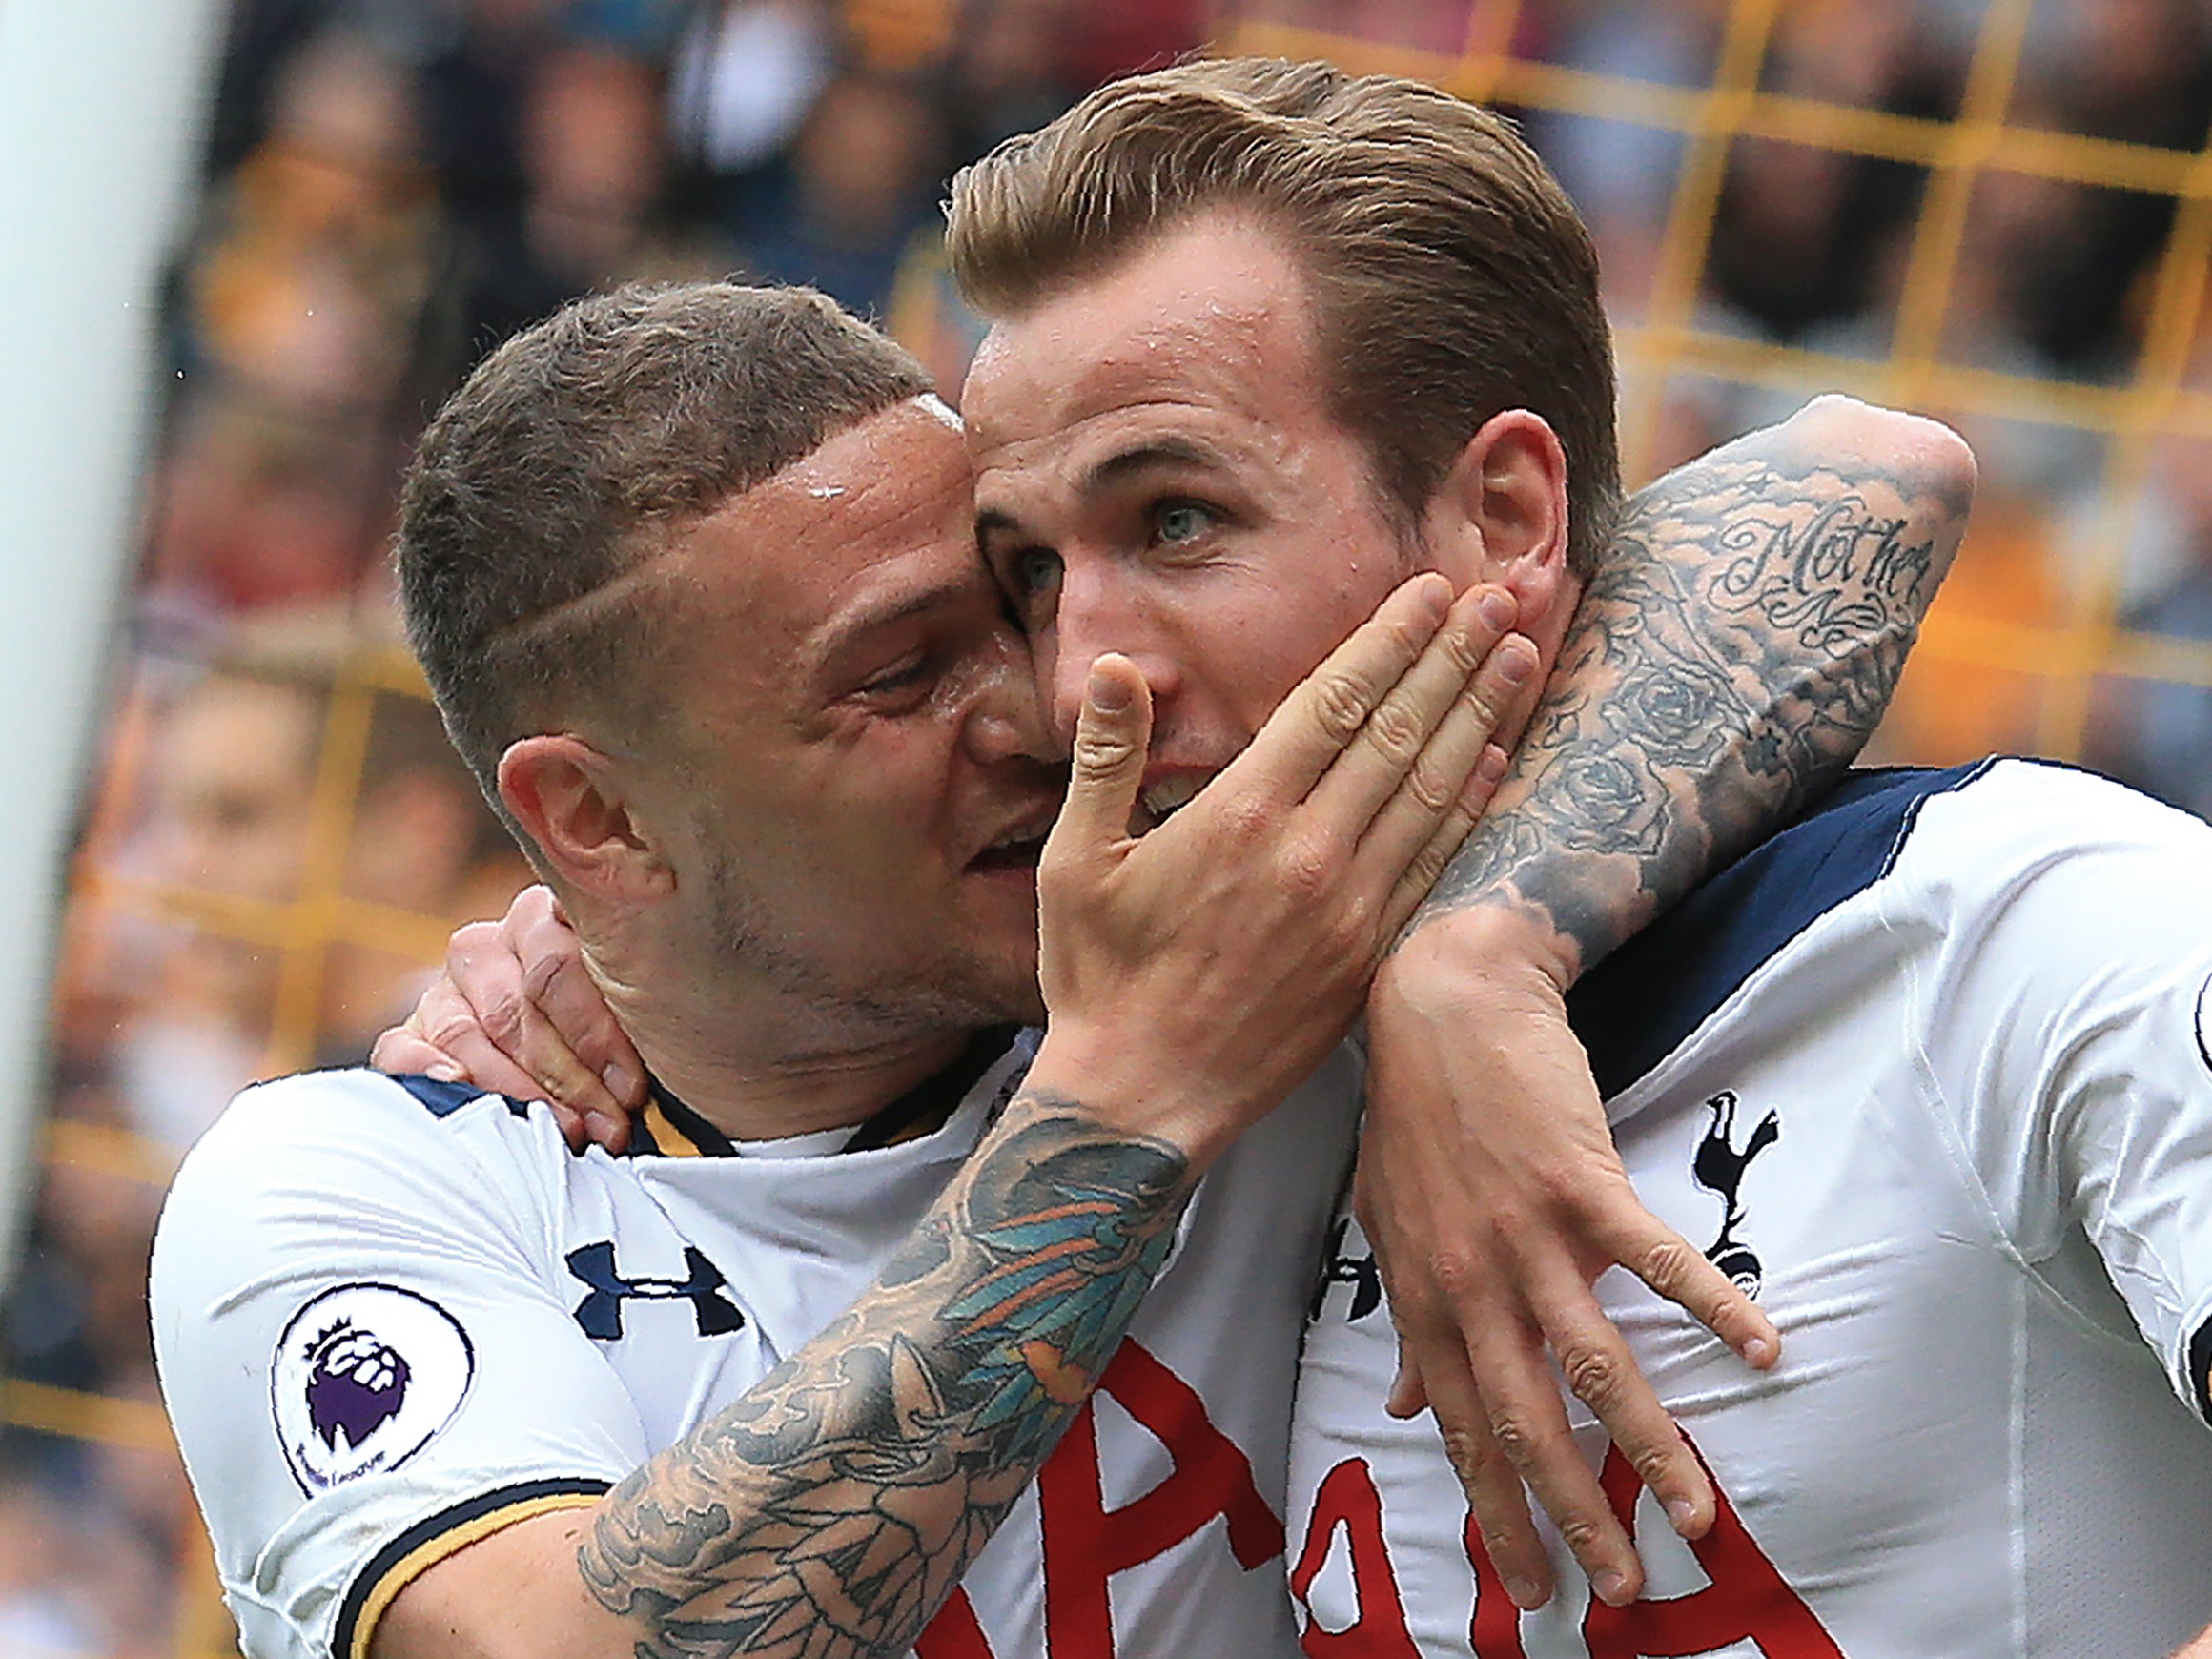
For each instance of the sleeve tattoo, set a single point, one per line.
(1731, 656)
(831, 1510)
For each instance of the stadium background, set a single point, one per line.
(1998, 211)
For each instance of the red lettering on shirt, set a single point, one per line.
(1747, 1599)
(1494, 1632)
(1085, 1543)
(955, 1633)
(1347, 1498)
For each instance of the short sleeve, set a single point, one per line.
(365, 1357)
(2065, 1026)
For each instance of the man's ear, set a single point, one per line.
(1501, 513)
(570, 799)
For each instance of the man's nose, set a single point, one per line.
(1094, 616)
(1007, 720)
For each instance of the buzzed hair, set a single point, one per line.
(572, 453)
(1450, 277)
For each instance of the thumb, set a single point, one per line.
(1113, 734)
(1408, 1391)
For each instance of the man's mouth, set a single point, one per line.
(1164, 799)
(1018, 848)
(1021, 845)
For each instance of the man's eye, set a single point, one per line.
(1181, 521)
(903, 678)
(1036, 572)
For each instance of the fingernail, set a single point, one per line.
(443, 1072)
(1612, 1588)
(1496, 609)
(1524, 1594)
(600, 1127)
(621, 1082)
(1759, 1351)
(1518, 663)
(1107, 692)
(1683, 1513)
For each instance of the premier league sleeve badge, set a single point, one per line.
(365, 1377)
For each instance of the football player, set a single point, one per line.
(1931, 1071)
(1793, 697)
(1927, 1072)
(444, 1389)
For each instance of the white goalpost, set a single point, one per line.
(102, 106)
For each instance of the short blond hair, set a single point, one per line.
(1451, 278)
(542, 480)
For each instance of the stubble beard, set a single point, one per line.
(842, 1002)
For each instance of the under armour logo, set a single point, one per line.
(601, 1314)
(1357, 1271)
(1719, 1168)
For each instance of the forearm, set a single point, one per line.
(851, 1489)
(1733, 654)
(832, 1509)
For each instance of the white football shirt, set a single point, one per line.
(1932, 1069)
(393, 1316)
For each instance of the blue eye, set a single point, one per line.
(1182, 520)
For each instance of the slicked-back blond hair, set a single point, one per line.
(1450, 277)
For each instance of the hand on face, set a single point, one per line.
(1195, 975)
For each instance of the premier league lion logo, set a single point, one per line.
(355, 1385)
(365, 1376)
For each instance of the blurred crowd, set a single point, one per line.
(392, 186)
(2050, 284)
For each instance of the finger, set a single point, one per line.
(481, 1062)
(1528, 1423)
(1680, 1272)
(1428, 867)
(1407, 1398)
(575, 1127)
(1327, 711)
(599, 1129)
(399, 1053)
(1456, 682)
(1429, 1347)
(1496, 1498)
(1113, 732)
(1416, 833)
(496, 984)
(531, 908)
(1596, 1361)
(1513, 721)
(1408, 1395)
(558, 985)
(537, 933)
(444, 1021)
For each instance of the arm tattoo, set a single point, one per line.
(830, 1510)
(1733, 654)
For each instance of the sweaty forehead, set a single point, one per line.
(1212, 316)
(886, 501)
